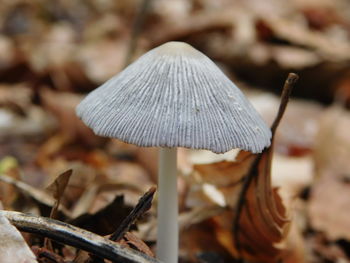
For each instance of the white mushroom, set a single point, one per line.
(174, 96)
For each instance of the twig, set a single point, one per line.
(287, 89)
(76, 237)
(136, 30)
(142, 206)
(253, 172)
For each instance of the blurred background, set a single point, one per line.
(52, 53)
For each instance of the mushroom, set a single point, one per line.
(174, 96)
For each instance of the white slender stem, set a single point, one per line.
(168, 228)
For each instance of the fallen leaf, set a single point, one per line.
(62, 106)
(106, 220)
(13, 248)
(261, 222)
(38, 195)
(225, 173)
(225, 177)
(332, 150)
(57, 188)
(133, 240)
(293, 31)
(329, 207)
(329, 202)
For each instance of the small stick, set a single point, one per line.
(76, 237)
(142, 206)
(287, 89)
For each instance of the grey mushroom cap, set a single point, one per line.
(175, 96)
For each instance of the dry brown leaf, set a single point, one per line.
(86, 199)
(105, 220)
(329, 208)
(296, 33)
(133, 240)
(83, 176)
(7, 52)
(57, 188)
(220, 180)
(264, 222)
(203, 238)
(295, 249)
(332, 148)
(294, 57)
(292, 174)
(225, 173)
(19, 95)
(195, 23)
(103, 59)
(62, 105)
(261, 223)
(193, 217)
(8, 193)
(59, 185)
(37, 194)
(13, 248)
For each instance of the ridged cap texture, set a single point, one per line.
(175, 96)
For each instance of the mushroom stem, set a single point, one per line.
(168, 228)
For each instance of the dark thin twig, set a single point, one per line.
(76, 237)
(253, 172)
(287, 89)
(142, 206)
(136, 30)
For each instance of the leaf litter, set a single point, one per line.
(51, 53)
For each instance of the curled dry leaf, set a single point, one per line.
(13, 248)
(261, 222)
(264, 222)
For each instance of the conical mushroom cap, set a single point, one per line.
(175, 96)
